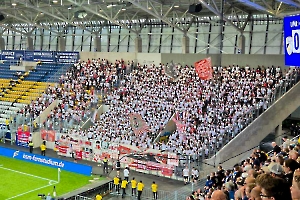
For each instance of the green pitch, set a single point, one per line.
(21, 180)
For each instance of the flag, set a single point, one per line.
(139, 126)
(204, 69)
(179, 125)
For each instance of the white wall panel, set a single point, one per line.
(274, 39)
(258, 39)
(53, 43)
(192, 39)
(114, 38)
(104, 39)
(177, 42)
(37, 39)
(123, 43)
(86, 42)
(214, 40)
(145, 39)
(247, 38)
(17, 41)
(229, 39)
(202, 38)
(132, 43)
(46, 36)
(155, 39)
(166, 39)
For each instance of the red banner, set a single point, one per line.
(23, 135)
(48, 135)
(204, 69)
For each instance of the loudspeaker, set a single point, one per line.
(195, 8)
(2, 17)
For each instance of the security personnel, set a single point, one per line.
(133, 186)
(140, 187)
(43, 148)
(123, 186)
(105, 165)
(117, 184)
(98, 197)
(30, 144)
(154, 187)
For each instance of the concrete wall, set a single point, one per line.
(227, 59)
(149, 58)
(111, 56)
(43, 116)
(296, 114)
(254, 133)
(189, 59)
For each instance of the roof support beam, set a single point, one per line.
(221, 15)
(29, 22)
(258, 7)
(55, 16)
(112, 20)
(290, 2)
(138, 4)
(13, 29)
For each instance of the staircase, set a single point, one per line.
(243, 144)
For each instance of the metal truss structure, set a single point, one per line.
(135, 14)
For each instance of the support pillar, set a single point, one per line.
(278, 134)
(97, 43)
(2, 43)
(62, 44)
(29, 43)
(241, 44)
(185, 44)
(138, 44)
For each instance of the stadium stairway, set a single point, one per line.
(243, 144)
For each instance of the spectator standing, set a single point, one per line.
(118, 167)
(186, 173)
(154, 188)
(295, 188)
(126, 174)
(140, 187)
(133, 186)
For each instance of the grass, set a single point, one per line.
(23, 180)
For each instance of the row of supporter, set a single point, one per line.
(273, 176)
(211, 112)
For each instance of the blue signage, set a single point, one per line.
(43, 56)
(292, 40)
(67, 57)
(46, 161)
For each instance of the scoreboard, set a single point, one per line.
(292, 40)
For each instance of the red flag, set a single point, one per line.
(204, 69)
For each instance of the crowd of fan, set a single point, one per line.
(215, 111)
(210, 111)
(75, 92)
(276, 177)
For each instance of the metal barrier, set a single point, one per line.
(79, 197)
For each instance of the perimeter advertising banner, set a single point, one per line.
(292, 40)
(46, 161)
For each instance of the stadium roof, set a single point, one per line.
(80, 13)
